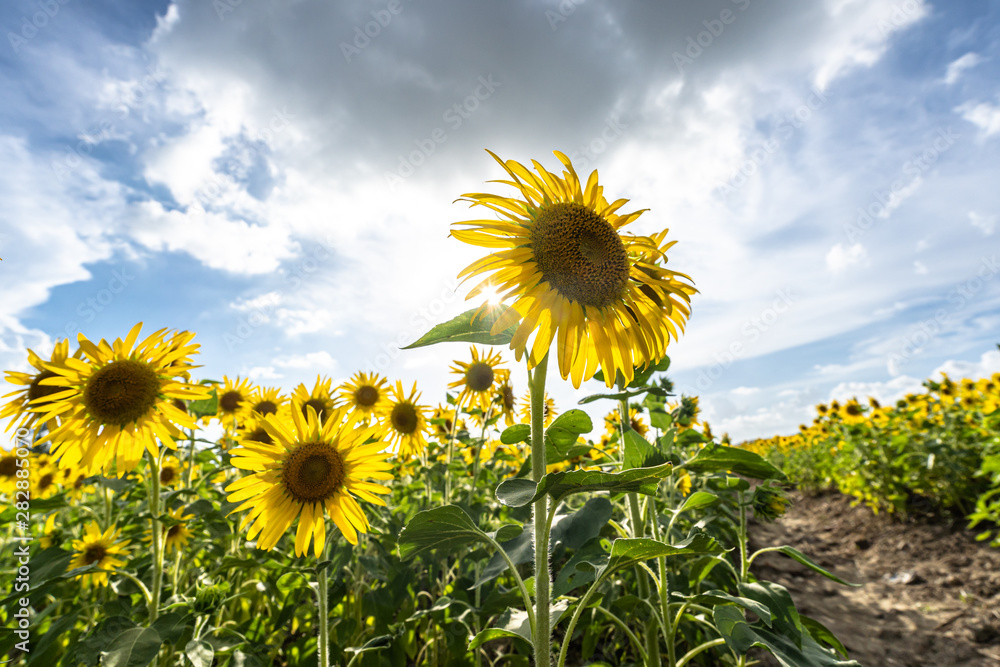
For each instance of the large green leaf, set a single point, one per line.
(515, 434)
(629, 552)
(206, 407)
(639, 453)
(567, 428)
(628, 393)
(798, 650)
(447, 527)
(200, 653)
(136, 647)
(569, 529)
(720, 458)
(462, 329)
(558, 485)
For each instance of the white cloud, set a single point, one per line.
(919, 268)
(258, 373)
(986, 223)
(840, 257)
(956, 67)
(321, 361)
(984, 115)
(745, 391)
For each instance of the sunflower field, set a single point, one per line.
(932, 452)
(368, 524)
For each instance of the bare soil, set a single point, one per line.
(930, 594)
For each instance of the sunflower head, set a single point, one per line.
(571, 276)
(232, 396)
(117, 402)
(405, 421)
(319, 399)
(478, 379)
(549, 412)
(36, 390)
(100, 549)
(310, 470)
(367, 393)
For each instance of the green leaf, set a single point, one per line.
(558, 485)
(515, 434)
(200, 653)
(567, 428)
(374, 644)
(797, 555)
(462, 329)
(447, 527)
(720, 458)
(170, 626)
(799, 650)
(628, 552)
(628, 393)
(136, 647)
(489, 634)
(715, 597)
(660, 419)
(37, 506)
(206, 407)
(697, 500)
(821, 633)
(639, 453)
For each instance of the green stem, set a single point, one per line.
(154, 518)
(744, 560)
(665, 595)
(322, 592)
(698, 649)
(542, 629)
(581, 605)
(189, 473)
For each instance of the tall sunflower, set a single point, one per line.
(367, 393)
(604, 297)
(320, 398)
(119, 400)
(405, 421)
(478, 379)
(178, 534)
(264, 401)
(102, 549)
(34, 392)
(308, 468)
(232, 396)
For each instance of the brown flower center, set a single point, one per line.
(230, 401)
(320, 405)
(167, 474)
(122, 392)
(580, 254)
(94, 553)
(404, 418)
(366, 396)
(265, 408)
(260, 435)
(8, 466)
(313, 472)
(37, 390)
(479, 376)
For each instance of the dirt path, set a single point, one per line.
(931, 594)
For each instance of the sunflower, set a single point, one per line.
(406, 421)
(504, 398)
(367, 393)
(852, 412)
(613, 426)
(171, 471)
(119, 401)
(442, 421)
(264, 401)
(684, 483)
(478, 379)
(232, 396)
(320, 398)
(98, 548)
(309, 466)
(51, 534)
(549, 413)
(45, 478)
(573, 278)
(178, 534)
(34, 393)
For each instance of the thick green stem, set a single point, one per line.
(542, 630)
(157, 529)
(744, 560)
(665, 593)
(323, 646)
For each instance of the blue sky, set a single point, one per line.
(272, 177)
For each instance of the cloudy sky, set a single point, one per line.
(279, 176)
